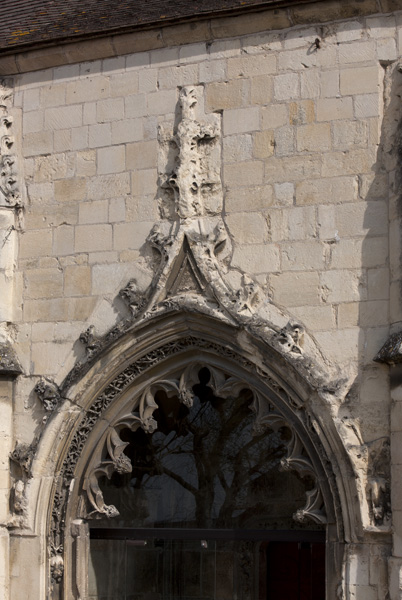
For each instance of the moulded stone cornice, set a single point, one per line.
(61, 50)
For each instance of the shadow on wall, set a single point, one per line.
(379, 309)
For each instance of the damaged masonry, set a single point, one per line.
(200, 332)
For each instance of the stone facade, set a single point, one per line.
(244, 172)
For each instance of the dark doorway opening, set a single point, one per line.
(173, 564)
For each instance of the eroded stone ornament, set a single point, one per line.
(48, 393)
(9, 193)
(194, 150)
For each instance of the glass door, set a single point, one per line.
(173, 568)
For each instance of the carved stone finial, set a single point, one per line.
(193, 175)
(48, 393)
(91, 342)
(391, 351)
(188, 101)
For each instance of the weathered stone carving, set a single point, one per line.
(91, 342)
(195, 178)
(391, 351)
(57, 566)
(48, 393)
(378, 481)
(9, 194)
(9, 364)
(133, 296)
(19, 501)
(248, 295)
(161, 238)
(18, 504)
(291, 338)
(23, 455)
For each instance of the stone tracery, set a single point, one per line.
(192, 240)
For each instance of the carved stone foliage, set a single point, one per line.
(48, 393)
(133, 297)
(9, 194)
(291, 338)
(112, 454)
(56, 564)
(90, 341)
(23, 455)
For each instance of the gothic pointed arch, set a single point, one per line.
(166, 353)
(192, 317)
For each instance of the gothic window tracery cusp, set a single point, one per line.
(221, 421)
(112, 455)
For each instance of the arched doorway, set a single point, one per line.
(209, 503)
(149, 392)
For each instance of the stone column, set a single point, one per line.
(9, 366)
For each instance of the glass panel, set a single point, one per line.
(171, 570)
(204, 468)
(107, 567)
(177, 569)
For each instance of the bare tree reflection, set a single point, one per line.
(203, 467)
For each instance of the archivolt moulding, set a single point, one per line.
(109, 454)
(127, 401)
(191, 312)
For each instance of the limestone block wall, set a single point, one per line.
(310, 124)
(306, 185)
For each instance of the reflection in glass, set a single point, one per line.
(204, 468)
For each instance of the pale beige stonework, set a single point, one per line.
(311, 193)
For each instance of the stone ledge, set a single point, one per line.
(106, 46)
(9, 363)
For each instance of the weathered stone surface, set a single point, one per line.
(9, 364)
(226, 170)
